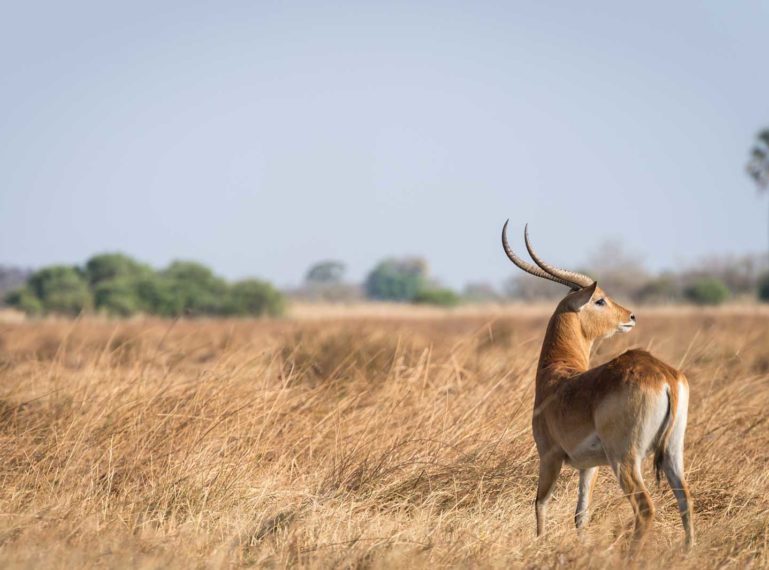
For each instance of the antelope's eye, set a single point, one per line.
(600, 302)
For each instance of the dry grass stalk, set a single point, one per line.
(358, 442)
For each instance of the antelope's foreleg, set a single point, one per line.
(586, 483)
(549, 469)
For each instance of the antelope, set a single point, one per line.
(615, 414)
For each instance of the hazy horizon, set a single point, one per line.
(259, 139)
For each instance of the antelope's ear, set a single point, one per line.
(580, 298)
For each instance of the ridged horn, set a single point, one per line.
(577, 280)
(528, 267)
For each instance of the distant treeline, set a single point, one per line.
(709, 282)
(405, 280)
(119, 285)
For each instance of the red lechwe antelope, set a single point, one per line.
(615, 414)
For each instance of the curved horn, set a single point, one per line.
(575, 279)
(526, 266)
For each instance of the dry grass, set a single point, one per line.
(357, 442)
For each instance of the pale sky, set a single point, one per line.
(260, 137)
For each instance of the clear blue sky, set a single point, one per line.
(260, 137)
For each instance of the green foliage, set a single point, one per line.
(758, 163)
(707, 291)
(763, 287)
(108, 266)
(114, 279)
(196, 290)
(397, 279)
(254, 297)
(437, 296)
(117, 296)
(61, 289)
(325, 273)
(24, 300)
(118, 285)
(157, 296)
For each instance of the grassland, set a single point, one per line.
(358, 441)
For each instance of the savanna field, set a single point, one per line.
(352, 440)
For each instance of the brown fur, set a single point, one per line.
(589, 417)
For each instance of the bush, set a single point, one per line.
(325, 273)
(118, 285)
(707, 291)
(118, 297)
(397, 279)
(440, 297)
(156, 295)
(763, 287)
(194, 287)
(114, 279)
(325, 281)
(108, 266)
(61, 289)
(24, 300)
(254, 297)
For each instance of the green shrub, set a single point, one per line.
(253, 297)
(437, 296)
(763, 287)
(156, 296)
(119, 285)
(118, 296)
(195, 288)
(61, 289)
(396, 279)
(109, 266)
(707, 291)
(25, 300)
(325, 273)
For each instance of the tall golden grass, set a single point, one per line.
(350, 442)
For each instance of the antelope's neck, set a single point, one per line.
(565, 351)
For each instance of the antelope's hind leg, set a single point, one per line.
(630, 479)
(674, 471)
(549, 469)
(586, 483)
(673, 466)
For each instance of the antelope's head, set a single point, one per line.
(599, 315)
